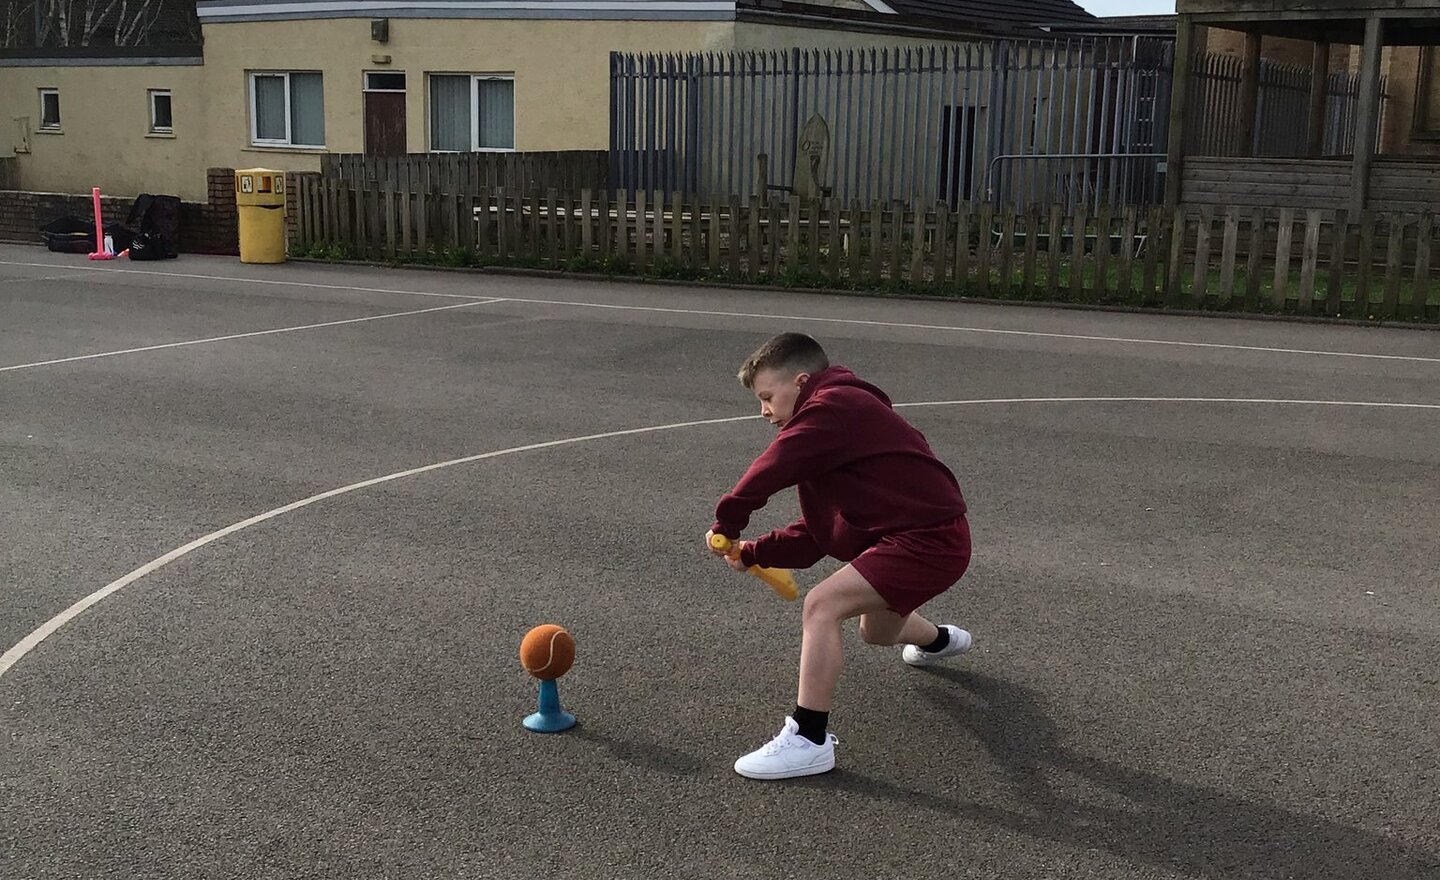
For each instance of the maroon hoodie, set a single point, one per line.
(863, 473)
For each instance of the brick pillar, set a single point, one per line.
(292, 209)
(219, 221)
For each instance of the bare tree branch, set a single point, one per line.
(136, 30)
(96, 17)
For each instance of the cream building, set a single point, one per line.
(281, 82)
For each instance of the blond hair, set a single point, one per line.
(789, 352)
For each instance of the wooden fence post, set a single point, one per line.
(1032, 248)
(917, 244)
(1200, 283)
(1127, 252)
(1339, 248)
(962, 248)
(1052, 266)
(1284, 240)
(982, 249)
(1255, 258)
(1367, 264)
(1420, 293)
(941, 249)
(1007, 249)
(1228, 250)
(1395, 254)
(1310, 262)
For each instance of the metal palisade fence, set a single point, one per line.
(1070, 122)
(1282, 109)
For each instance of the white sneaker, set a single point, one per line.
(960, 642)
(788, 755)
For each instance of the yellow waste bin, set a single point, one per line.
(260, 196)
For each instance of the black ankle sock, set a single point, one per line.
(812, 724)
(940, 642)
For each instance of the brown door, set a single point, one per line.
(385, 115)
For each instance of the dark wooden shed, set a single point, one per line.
(1363, 180)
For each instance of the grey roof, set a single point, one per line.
(1004, 13)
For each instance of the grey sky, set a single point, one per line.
(1128, 7)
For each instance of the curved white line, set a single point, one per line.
(106, 354)
(28, 644)
(31, 641)
(949, 328)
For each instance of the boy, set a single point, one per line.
(872, 494)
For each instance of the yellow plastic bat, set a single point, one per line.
(779, 579)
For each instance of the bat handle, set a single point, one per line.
(724, 545)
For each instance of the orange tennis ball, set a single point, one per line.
(547, 651)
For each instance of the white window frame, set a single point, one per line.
(59, 124)
(474, 108)
(255, 139)
(150, 96)
(475, 80)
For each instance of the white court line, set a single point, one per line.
(33, 640)
(1123, 340)
(105, 354)
(244, 280)
(42, 278)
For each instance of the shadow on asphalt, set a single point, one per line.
(644, 755)
(1202, 832)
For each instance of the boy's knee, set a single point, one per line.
(811, 608)
(818, 608)
(871, 634)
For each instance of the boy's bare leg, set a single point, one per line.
(843, 595)
(888, 628)
(803, 747)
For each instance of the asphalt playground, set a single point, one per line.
(270, 536)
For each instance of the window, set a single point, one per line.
(471, 112)
(287, 109)
(50, 109)
(384, 82)
(161, 121)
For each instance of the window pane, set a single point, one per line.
(307, 109)
(496, 125)
(49, 109)
(270, 108)
(160, 111)
(388, 82)
(450, 113)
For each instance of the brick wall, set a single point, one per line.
(208, 228)
(292, 205)
(212, 228)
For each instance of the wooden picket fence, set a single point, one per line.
(471, 173)
(1308, 262)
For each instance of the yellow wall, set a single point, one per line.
(752, 36)
(562, 94)
(105, 123)
(561, 69)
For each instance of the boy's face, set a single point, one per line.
(776, 392)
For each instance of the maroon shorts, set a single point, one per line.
(910, 568)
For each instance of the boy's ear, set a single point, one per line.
(801, 379)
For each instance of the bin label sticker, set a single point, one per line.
(247, 183)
